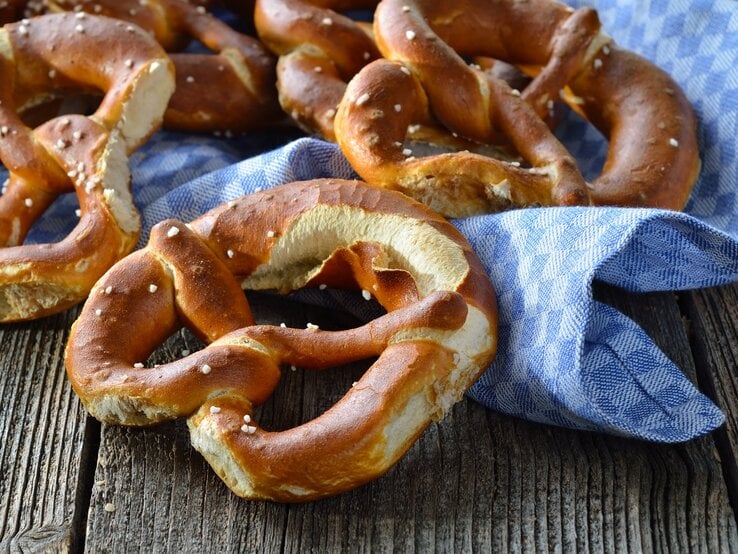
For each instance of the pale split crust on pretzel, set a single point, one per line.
(319, 51)
(86, 154)
(652, 159)
(438, 336)
(231, 90)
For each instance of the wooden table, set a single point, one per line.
(478, 481)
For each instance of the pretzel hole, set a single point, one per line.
(584, 141)
(194, 46)
(428, 141)
(432, 138)
(359, 14)
(301, 395)
(64, 104)
(58, 220)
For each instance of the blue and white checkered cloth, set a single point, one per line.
(563, 358)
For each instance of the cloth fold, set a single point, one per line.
(564, 358)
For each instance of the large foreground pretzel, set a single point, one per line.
(231, 90)
(437, 337)
(38, 58)
(319, 49)
(652, 158)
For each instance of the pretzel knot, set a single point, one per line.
(40, 58)
(230, 90)
(438, 335)
(652, 158)
(320, 50)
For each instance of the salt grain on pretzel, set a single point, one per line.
(625, 96)
(319, 49)
(230, 90)
(438, 336)
(36, 280)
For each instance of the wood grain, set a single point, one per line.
(478, 481)
(713, 316)
(42, 428)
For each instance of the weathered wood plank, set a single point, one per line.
(42, 428)
(477, 481)
(696, 466)
(713, 316)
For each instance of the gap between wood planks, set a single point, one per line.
(85, 480)
(691, 305)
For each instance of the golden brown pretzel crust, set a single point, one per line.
(439, 333)
(231, 90)
(652, 159)
(319, 51)
(87, 154)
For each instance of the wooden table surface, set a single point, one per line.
(477, 481)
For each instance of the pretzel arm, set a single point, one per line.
(129, 394)
(318, 349)
(653, 158)
(310, 90)
(358, 434)
(205, 99)
(209, 310)
(285, 25)
(21, 204)
(119, 389)
(569, 46)
(531, 137)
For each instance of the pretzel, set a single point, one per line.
(438, 335)
(231, 90)
(319, 51)
(652, 159)
(37, 58)
(13, 10)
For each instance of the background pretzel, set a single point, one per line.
(13, 10)
(437, 337)
(85, 154)
(231, 90)
(652, 158)
(319, 51)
